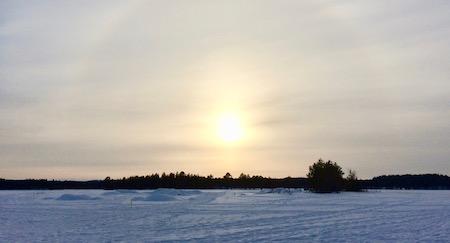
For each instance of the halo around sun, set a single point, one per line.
(229, 128)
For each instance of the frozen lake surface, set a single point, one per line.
(223, 215)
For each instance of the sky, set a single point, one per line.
(90, 89)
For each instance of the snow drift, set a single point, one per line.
(164, 195)
(74, 197)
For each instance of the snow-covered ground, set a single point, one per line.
(223, 215)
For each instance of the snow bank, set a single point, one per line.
(155, 198)
(167, 195)
(178, 192)
(280, 190)
(75, 197)
(120, 192)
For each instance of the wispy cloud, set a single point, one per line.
(106, 83)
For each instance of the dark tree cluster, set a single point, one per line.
(425, 181)
(36, 184)
(191, 181)
(326, 177)
(352, 184)
(178, 180)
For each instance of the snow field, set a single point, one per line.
(223, 215)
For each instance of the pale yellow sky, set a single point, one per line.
(90, 89)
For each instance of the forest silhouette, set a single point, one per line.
(322, 177)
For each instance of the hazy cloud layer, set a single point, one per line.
(90, 89)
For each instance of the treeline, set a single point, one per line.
(190, 181)
(425, 181)
(38, 184)
(179, 180)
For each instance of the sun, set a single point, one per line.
(229, 128)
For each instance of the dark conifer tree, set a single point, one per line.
(325, 177)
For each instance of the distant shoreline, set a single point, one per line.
(188, 181)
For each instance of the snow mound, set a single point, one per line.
(155, 198)
(279, 191)
(119, 192)
(74, 197)
(175, 192)
(163, 195)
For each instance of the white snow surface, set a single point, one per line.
(168, 215)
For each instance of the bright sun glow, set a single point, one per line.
(229, 128)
